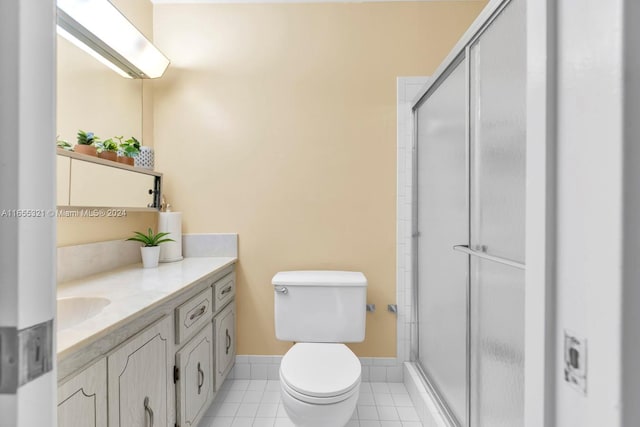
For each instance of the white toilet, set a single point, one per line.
(320, 376)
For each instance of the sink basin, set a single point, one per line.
(73, 310)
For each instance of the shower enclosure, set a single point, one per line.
(469, 222)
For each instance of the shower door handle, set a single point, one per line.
(466, 250)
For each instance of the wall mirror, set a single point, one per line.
(93, 98)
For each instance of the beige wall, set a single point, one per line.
(94, 98)
(278, 121)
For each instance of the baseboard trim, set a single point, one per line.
(258, 367)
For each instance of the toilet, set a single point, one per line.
(320, 311)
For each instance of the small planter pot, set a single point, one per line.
(145, 158)
(108, 155)
(150, 256)
(85, 149)
(126, 160)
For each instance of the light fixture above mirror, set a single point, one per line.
(99, 28)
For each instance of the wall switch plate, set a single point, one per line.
(575, 361)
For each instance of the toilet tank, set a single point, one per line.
(320, 306)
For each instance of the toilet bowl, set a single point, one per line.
(320, 384)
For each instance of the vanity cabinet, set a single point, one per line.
(82, 401)
(205, 360)
(138, 378)
(165, 375)
(225, 345)
(194, 378)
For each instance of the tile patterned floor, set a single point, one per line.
(256, 403)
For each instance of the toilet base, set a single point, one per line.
(303, 414)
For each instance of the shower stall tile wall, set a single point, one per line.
(408, 89)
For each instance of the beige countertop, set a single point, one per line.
(133, 291)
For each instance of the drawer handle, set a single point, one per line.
(148, 412)
(200, 378)
(228, 341)
(226, 290)
(199, 313)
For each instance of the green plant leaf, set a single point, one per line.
(150, 239)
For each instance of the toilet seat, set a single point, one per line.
(320, 373)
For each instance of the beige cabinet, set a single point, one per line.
(224, 324)
(89, 181)
(82, 401)
(138, 378)
(95, 184)
(166, 375)
(194, 378)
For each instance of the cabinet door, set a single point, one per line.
(95, 184)
(82, 401)
(194, 388)
(139, 373)
(225, 346)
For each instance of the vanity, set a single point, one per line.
(135, 347)
(145, 347)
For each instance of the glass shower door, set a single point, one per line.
(497, 233)
(443, 221)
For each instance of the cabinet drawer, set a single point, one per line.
(193, 314)
(224, 290)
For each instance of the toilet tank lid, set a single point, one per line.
(319, 277)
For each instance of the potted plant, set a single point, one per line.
(127, 150)
(61, 143)
(150, 251)
(108, 149)
(86, 143)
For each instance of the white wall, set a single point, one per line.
(597, 208)
(27, 178)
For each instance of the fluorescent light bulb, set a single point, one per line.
(102, 28)
(91, 52)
